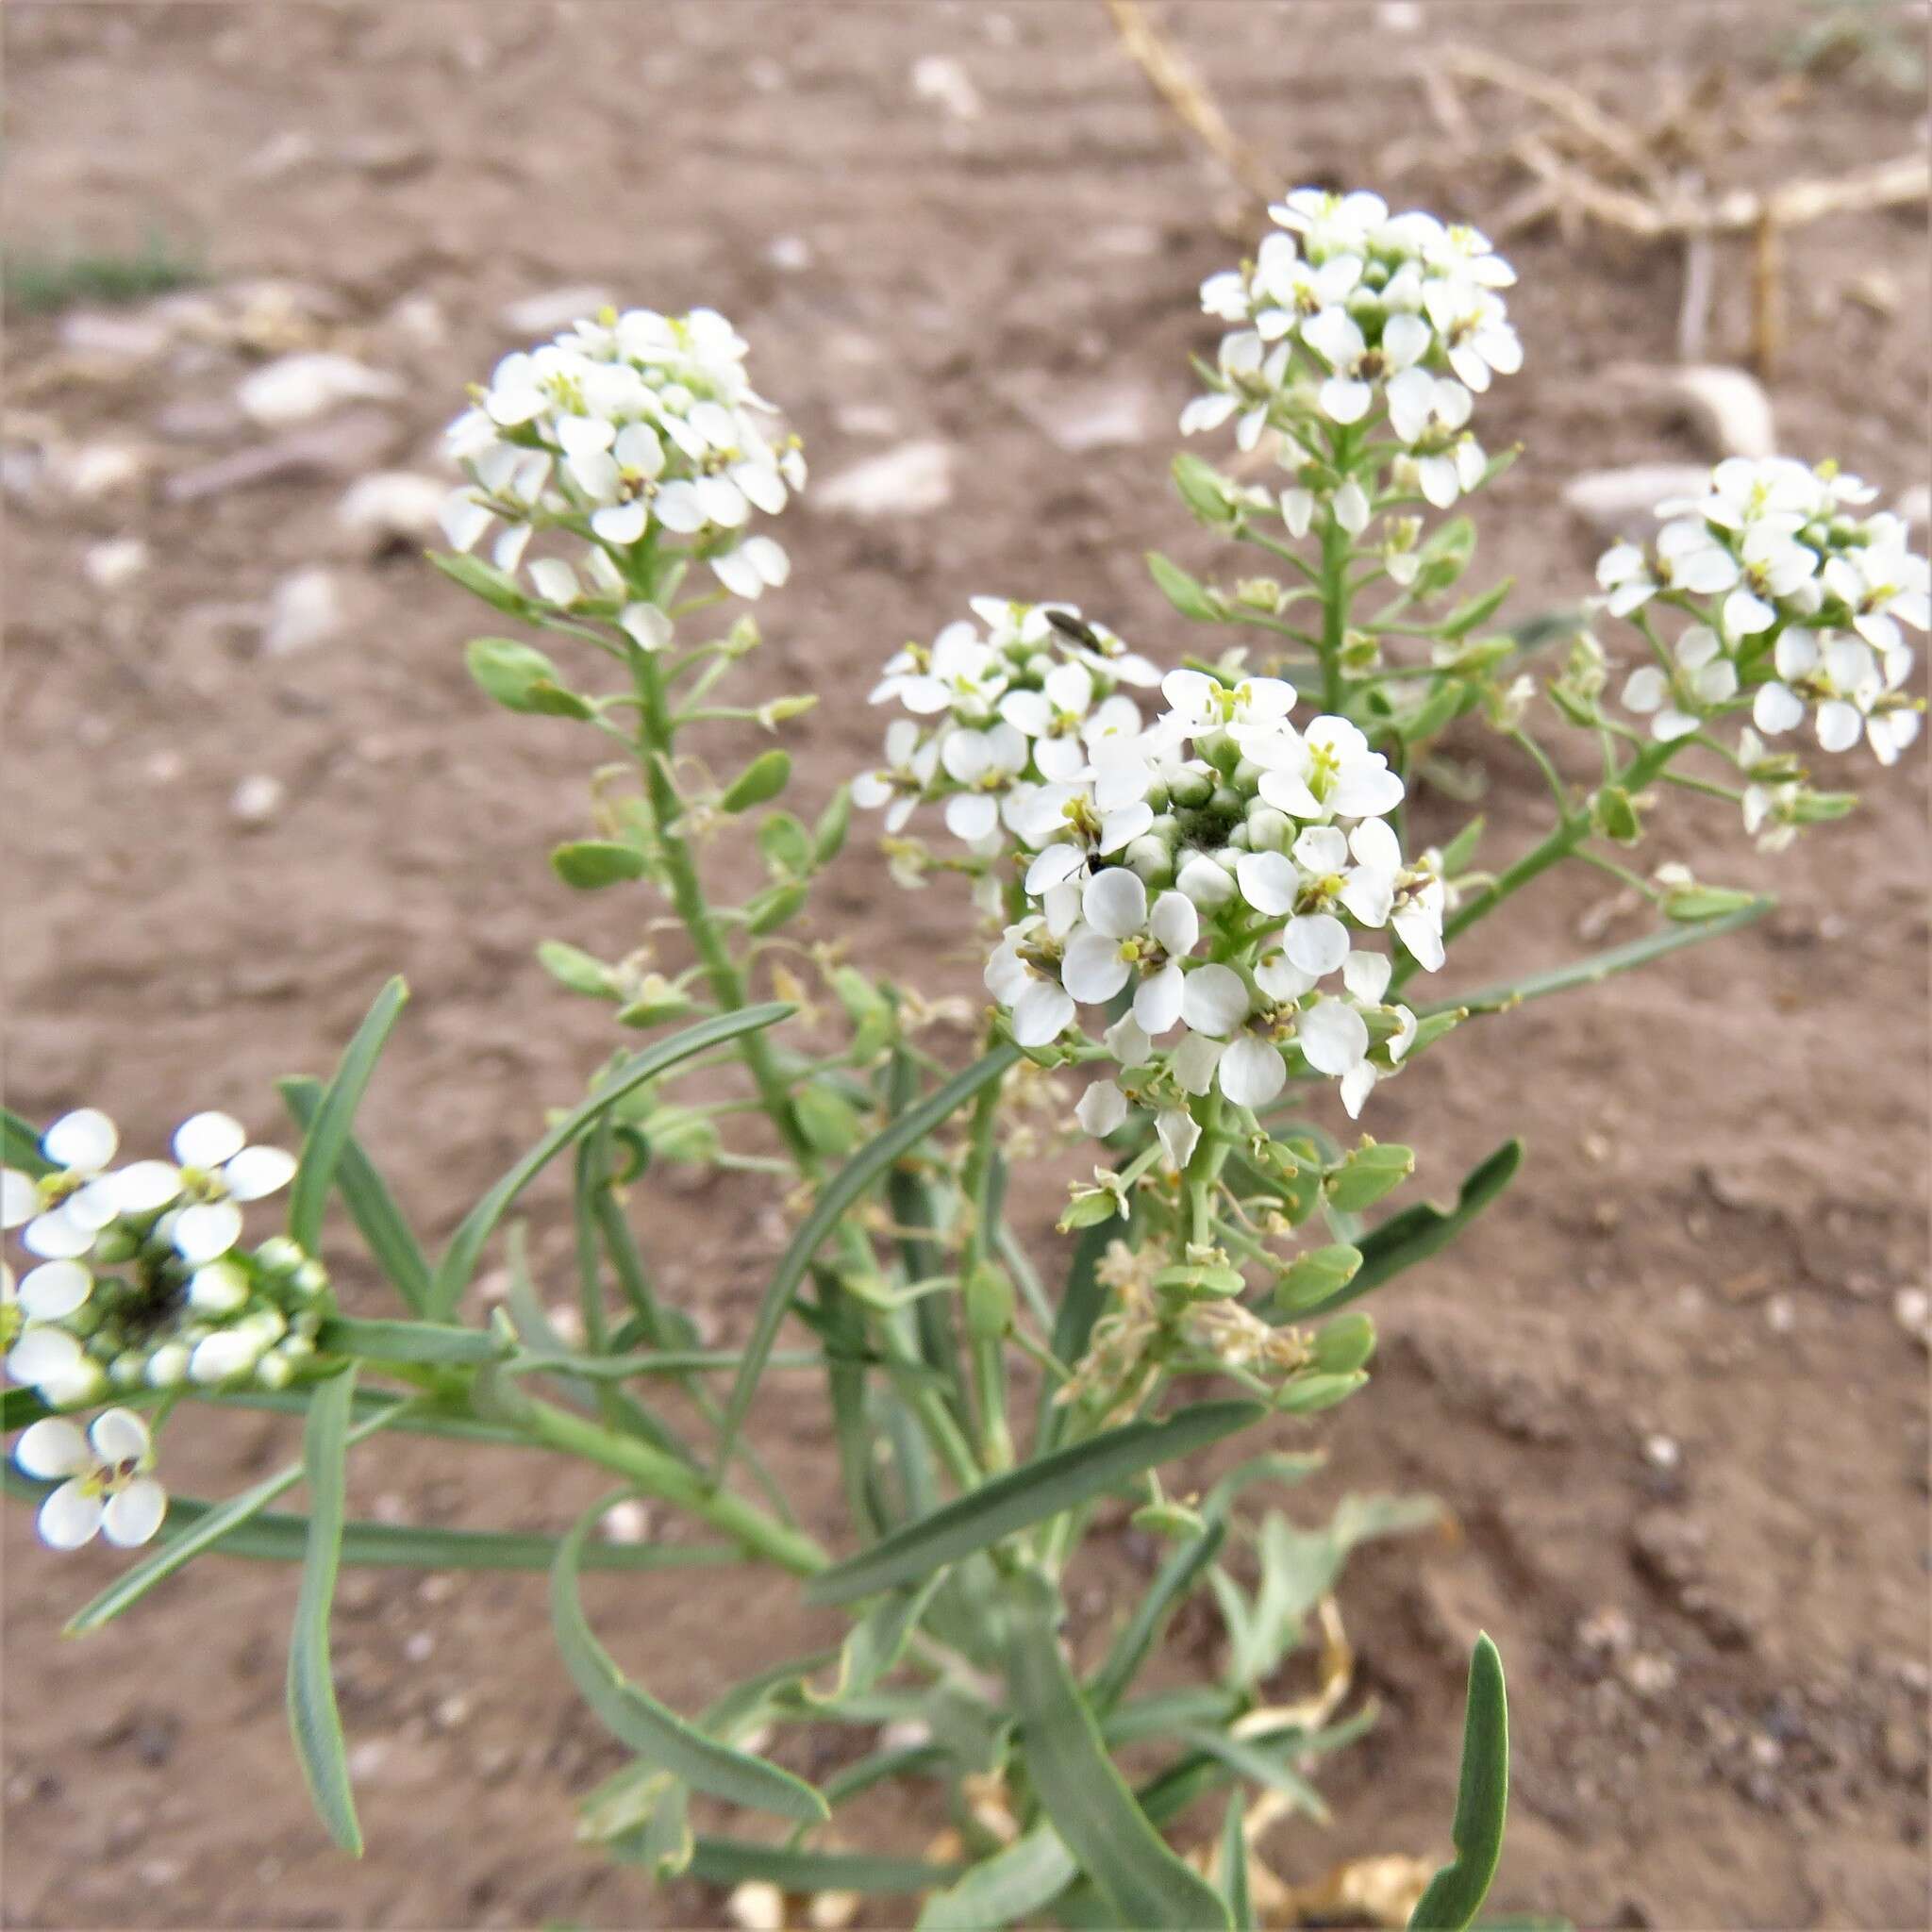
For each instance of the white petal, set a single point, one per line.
(1366, 975)
(1839, 727)
(1346, 400)
(1115, 902)
(971, 815)
(120, 1436)
(1175, 923)
(1268, 881)
(20, 1199)
(206, 1140)
(83, 1141)
(1040, 1013)
(56, 1236)
(1317, 942)
(1252, 1072)
(70, 1517)
(1102, 1109)
(1092, 970)
(1645, 689)
(258, 1171)
(208, 1230)
(1420, 928)
(1179, 1134)
(54, 1290)
(134, 1514)
(51, 1448)
(1158, 1000)
(1214, 1000)
(1334, 1037)
(94, 1205)
(46, 1356)
(146, 1187)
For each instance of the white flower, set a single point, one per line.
(1475, 331)
(106, 1490)
(51, 1361)
(62, 1212)
(1882, 585)
(757, 565)
(1122, 938)
(1623, 573)
(1355, 367)
(961, 673)
(1250, 708)
(1331, 223)
(986, 763)
(1040, 1007)
(218, 1169)
(903, 781)
(1334, 1037)
(1218, 1048)
(1327, 771)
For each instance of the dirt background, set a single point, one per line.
(1717, 1641)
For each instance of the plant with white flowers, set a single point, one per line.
(1208, 929)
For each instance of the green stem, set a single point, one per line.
(662, 1476)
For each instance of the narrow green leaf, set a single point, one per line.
(1016, 1883)
(19, 1406)
(835, 1199)
(1029, 1494)
(329, 1131)
(19, 1146)
(1456, 1893)
(1416, 1233)
(1082, 1300)
(460, 1258)
(1599, 967)
(313, 1719)
(1257, 1766)
(203, 1534)
(760, 782)
(732, 1860)
(1081, 1790)
(654, 1732)
(1234, 1864)
(589, 864)
(409, 1341)
(1182, 591)
(371, 1204)
(1170, 1588)
(875, 1645)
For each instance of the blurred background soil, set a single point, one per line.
(1674, 1387)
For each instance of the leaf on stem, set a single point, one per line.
(1027, 1495)
(654, 1732)
(313, 1719)
(835, 1199)
(1456, 1893)
(460, 1258)
(1080, 1788)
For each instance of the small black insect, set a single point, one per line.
(1077, 630)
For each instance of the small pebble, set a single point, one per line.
(258, 799)
(757, 1906)
(1662, 1452)
(116, 563)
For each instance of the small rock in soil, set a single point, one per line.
(1623, 503)
(100, 469)
(946, 85)
(1668, 1548)
(346, 446)
(257, 800)
(107, 338)
(546, 312)
(912, 480)
(1727, 407)
(306, 609)
(392, 509)
(298, 389)
(111, 564)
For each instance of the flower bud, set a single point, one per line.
(167, 1367)
(220, 1289)
(275, 1371)
(226, 1355)
(279, 1255)
(1269, 830)
(1208, 884)
(1190, 788)
(1152, 858)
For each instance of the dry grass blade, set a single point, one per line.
(1189, 100)
(1601, 129)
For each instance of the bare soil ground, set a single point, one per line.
(1718, 1663)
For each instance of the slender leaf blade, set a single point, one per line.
(835, 1198)
(19, 1146)
(204, 1534)
(334, 1117)
(648, 1727)
(1017, 1882)
(459, 1260)
(1174, 1579)
(1456, 1893)
(371, 1204)
(732, 1860)
(434, 1342)
(1234, 1864)
(314, 1721)
(1028, 1495)
(1082, 1792)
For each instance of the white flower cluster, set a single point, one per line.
(1209, 870)
(140, 1279)
(1350, 310)
(1798, 605)
(623, 424)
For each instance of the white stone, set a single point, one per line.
(626, 1522)
(99, 334)
(947, 86)
(1623, 503)
(305, 610)
(789, 253)
(99, 469)
(912, 480)
(1728, 408)
(388, 506)
(298, 389)
(546, 313)
(258, 799)
(116, 563)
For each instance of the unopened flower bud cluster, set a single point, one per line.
(621, 425)
(139, 1281)
(1214, 869)
(1351, 315)
(1797, 604)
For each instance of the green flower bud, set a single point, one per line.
(275, 1371)
(1269, 830)
(1152, 858)
(1228, 802)
(167, 1367)
(279, 1255)
(1190, 788)
(115, 1243)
